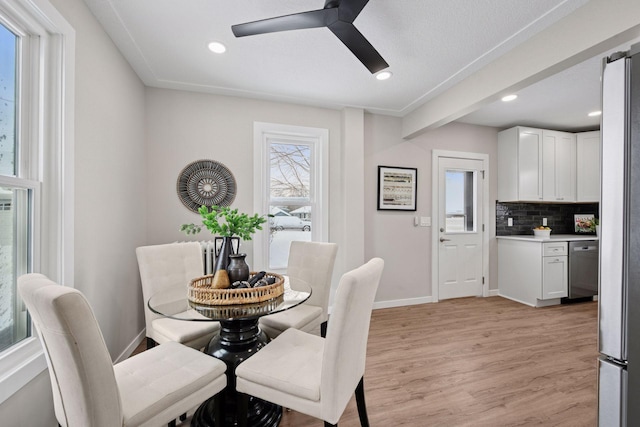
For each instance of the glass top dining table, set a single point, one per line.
(239, 338)
(175, 304)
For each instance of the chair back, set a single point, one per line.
(312, 263)
(83, 382)
(166, 267)
(345, 349)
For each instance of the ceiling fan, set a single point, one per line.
(337, 15)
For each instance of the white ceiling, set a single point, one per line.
(430, 46)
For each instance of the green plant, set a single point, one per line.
(226, 222)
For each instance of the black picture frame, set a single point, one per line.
(397, 188)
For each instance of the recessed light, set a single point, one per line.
(509, 98)
(217, 47)
(595, 113)
(384, 75)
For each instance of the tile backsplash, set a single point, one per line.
(528, 215)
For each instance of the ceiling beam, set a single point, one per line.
(596, 27)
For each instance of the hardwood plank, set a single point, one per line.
(478, 362)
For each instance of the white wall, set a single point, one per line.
(390, 234)
(110, 186)
(186, 126)
(110, 199)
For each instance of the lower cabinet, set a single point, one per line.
(555, 271)
(533, 272)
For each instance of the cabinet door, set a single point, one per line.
(588, 167)
(555, 275)
(529, 164)
(559, 166)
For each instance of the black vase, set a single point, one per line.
(238, 269)
(226, 249)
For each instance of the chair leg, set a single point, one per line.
(362, 407)
(323, 329)
(150, 343)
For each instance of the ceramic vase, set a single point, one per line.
(238, 269)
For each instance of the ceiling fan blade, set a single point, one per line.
(359, 46)
(350, 9)
(296, 21)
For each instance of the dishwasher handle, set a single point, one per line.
(585, 248)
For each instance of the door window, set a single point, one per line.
(461, 201)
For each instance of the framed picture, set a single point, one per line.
(397, 188)
(584, 223)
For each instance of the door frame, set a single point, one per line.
(435, 244)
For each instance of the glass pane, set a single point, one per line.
(460, 201)
(8, 43)
(14, 249)
(290, 170)
(288, 223)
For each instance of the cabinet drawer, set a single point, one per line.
(554, 249)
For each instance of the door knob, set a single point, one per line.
(442, 239)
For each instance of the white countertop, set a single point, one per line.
(552, 238)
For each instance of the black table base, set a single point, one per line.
(237, 341)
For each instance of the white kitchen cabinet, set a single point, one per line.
(520, 164)
(558, 166)
(588, 167)
(537, 165)
(533, 271)
(555, 273)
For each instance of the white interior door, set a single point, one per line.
(460, 227)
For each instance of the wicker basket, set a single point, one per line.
(201, 292)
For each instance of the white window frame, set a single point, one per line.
(46, 157)
(318, 140)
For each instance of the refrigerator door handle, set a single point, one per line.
(612, 310)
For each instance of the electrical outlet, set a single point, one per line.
(544, 221)
(509, 222)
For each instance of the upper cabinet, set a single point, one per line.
(520, 164)
(588, 167)
(558, 166)
(540, 165)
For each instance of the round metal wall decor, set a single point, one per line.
(206, 182)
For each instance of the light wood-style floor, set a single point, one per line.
(478, 362)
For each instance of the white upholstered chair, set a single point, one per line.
(149, 389)
(165, 267)
(310, 263)
(314, 375)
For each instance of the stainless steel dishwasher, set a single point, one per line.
(583, 269)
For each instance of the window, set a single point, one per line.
(292, 187)
(16, 191)
(36, 109)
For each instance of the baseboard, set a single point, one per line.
(131, 347)
(402, 302)
(494, 292)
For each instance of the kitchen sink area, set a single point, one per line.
(544, 271)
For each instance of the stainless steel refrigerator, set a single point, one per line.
(619, 295)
